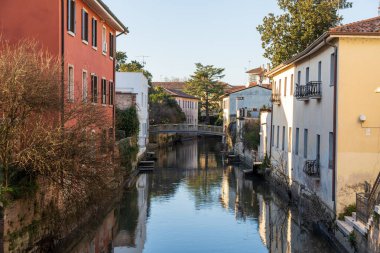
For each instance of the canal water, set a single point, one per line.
(194, 203)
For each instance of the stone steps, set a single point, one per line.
(344, 227)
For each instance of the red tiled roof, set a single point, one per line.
(371, 25)
(170, 85)
(178, 93)
(251, 85)
(257, 71)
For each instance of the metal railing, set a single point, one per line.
(362, 207)
(310, 90)
(276, 98)
(311, 168)
(183, 128)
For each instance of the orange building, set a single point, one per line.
(82, 33)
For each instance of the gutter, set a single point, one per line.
(334, 122)
(62, 62)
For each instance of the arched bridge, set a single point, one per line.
(186, 128)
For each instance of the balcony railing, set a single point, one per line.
(310, 90)
(311, 168)
(276, 98)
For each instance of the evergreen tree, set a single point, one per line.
(205, 85)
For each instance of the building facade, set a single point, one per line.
(81, 33)
(135, 83)
(188, 104)
(325, 120)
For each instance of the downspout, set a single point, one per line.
(271, 132)
(334, 121)
(62, 62)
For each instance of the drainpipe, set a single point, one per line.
(62, 62)
(271, 131)
(334, 121)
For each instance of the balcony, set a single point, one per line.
(311, 168)
(276, 98)
(310, 90)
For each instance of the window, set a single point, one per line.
(307, 75)
(290, 139)
(111, 93)
(278, 137)
(70, 86)
(84, 86)
(84, 25)
(104, 91)
(71, 16)
(279, 87)
(331, 146)
(320, 71)
(305, 136)
(283, 138)
(104, 40)
(291, 84)
(112, 43)
(272, 137)
(332, 69)
(318, 147)
(94, 32)
(94, 89)
(297, 140)
(142, 99)
(299, 78)
(285, 84)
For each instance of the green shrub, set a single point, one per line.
(128, 121)
(348, 210)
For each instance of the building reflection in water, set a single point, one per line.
(196, 169)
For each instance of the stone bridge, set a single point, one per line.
(187, 128)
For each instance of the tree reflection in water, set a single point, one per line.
(192, 203)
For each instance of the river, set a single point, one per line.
(193, 202)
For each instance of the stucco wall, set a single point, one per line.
(190, 107)
(358, 147)
(125, 100)
(255, 97)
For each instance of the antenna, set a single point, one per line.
(143, 59)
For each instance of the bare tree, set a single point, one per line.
(73, 158)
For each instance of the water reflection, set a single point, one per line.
(194, 204)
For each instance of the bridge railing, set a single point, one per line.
(186, 128)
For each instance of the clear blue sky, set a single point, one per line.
(175, 34)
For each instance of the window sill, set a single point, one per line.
(110, 106)
(104, 53)
(111, 58)
(95, 48)
(71, 33)
(85, 42)
(104, 105)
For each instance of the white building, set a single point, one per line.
(137, 83)
(188, 104)
(317, 138)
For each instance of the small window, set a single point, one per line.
(84, 86)
(112, 43)
(272, 136)
(332, 69)
(331, 146)
(104, 91)
(279, 87)
(305, 142)
(111, 93)
(297, 140)
(290, 139)
(307, 75)
(84, 25)
(94, 89)
(94, 32)
(319, 71)
(104, 40)
(71, 16)
(70, 86)
(285, 85)
(278, 137)
(292, 85)
(283, 138)
(299, 78)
